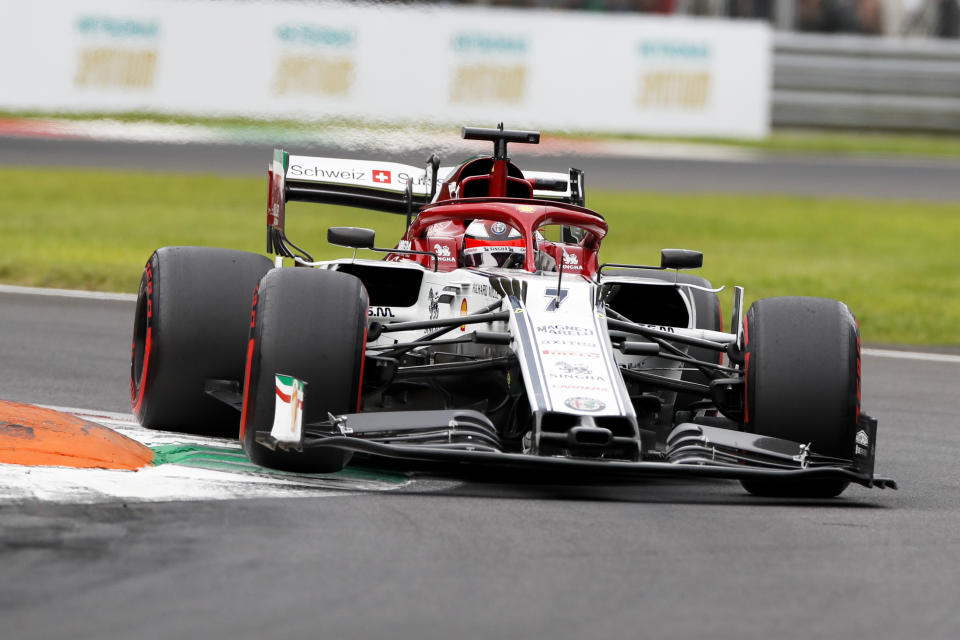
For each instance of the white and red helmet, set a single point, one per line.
(492, 244)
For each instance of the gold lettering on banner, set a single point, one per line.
(318, 75)
(674, 88)
(113, 67)
(489, 83)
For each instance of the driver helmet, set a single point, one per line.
(487, 243)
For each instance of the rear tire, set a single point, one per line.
(310, 324)
(802, 365)
(191, 324)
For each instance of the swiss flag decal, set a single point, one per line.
(381, 176)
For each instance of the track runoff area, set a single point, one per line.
(63, 454)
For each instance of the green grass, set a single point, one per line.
(895, 263)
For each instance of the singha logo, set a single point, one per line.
(573, 369)
(443, 252)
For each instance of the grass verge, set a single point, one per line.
(894, 263)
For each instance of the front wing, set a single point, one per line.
(461, 441)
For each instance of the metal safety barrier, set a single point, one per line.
(866, 83)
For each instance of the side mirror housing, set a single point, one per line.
(680, 259)
(352, 237)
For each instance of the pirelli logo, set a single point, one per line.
(313, 74)
(484, 82)
(117, 67)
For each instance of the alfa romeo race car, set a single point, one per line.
(491, 336)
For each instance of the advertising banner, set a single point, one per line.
(569, 70)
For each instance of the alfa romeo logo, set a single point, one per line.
(498, 228)
(584, 404)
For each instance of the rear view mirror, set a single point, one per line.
(352, 237)
(680, 259)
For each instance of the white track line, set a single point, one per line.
(912, 355)
(67, 293)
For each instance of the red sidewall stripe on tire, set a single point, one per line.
(363, 359)
(746, 371)
(246, 389)
(143, 374)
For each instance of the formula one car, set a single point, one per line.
(490, 336)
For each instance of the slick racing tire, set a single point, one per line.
(802, 363)
(190, 325)
(310, 324)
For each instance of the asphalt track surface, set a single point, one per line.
(480, 559)
(886, 178)
(476, 559)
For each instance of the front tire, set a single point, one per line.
(310, 324)
(802, 366)
(190, 325)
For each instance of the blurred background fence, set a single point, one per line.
(859, 82)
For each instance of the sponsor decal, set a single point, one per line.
(579, 387)
(659, 327)
(570, 354)
(443, 253)
(311, 74)
(314, 35)
(498, 228)
(418, 180)
(583, 403)
(288, 410)
(483, 43)
(484, 290)
(673, 75)
(434, 305)
(495, 248)
(545, 342)
(488, 83)
(673, 50)
(555, 301)
(404, 245)
(863, 443)
(111, 64)
(382, 177)
(571, 262)
(575, 372)
(315, 60)
(564, 330)
(574, 369)
(299, 171)
(380, 312)
(116, 27)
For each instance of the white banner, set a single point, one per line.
(576, 71)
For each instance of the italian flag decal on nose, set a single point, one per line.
(288, 412)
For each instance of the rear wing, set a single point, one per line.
(372, 184)
(369, 184)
